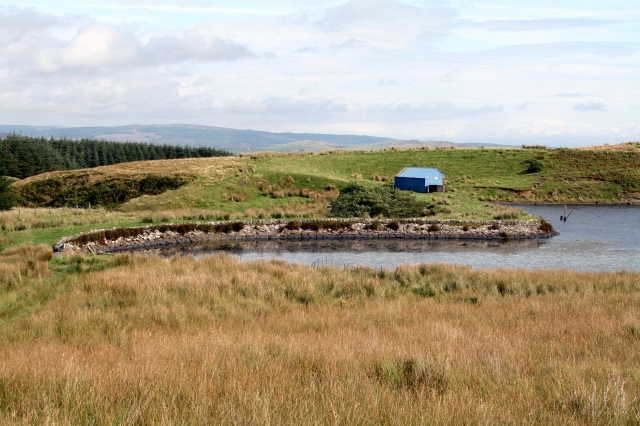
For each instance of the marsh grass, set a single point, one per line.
(219, 341)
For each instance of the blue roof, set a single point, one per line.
(419, 172)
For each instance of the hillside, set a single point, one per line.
(234, 140)
(303, 185)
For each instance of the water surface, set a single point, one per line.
(594, 238)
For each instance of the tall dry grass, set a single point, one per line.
(220, 341)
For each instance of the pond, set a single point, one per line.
(594, 238)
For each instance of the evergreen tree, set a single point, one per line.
(23, 156)
(7, 199)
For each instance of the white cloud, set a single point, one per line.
(431, 110)
(399, 68)
(517, 25)
(28, 43)
(590, 106)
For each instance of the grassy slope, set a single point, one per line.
(231, 187)
(144, 340)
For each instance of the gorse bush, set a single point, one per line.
(78, 190)
(357, 200)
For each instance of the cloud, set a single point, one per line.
(199, 44)
(432, 110)
(19, 22)
(590, 106)
(388, 82)
(282, 106)
(27, 44)
(543, 51)
(515, 25)
(569, 95)
(428, 19)
(352, 43)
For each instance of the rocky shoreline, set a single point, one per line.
(149, 237)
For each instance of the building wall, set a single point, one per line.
(410, 184)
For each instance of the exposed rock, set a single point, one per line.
(342, 230)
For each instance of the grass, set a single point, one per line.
(302, 185)
(141, 339)
(236, 184)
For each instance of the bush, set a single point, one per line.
(78, 190)
(335, 225)
(357, 200)
(534, 166)
(433, 228)
(373, 226)
(393, 225)
(545, 226)
(293, 225)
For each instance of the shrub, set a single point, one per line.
(393, 225)
(310, 225)
(545, 226)
(506, 235)
(78, 190)
(534, 166)
(495, 226)
(373, 226)
(433, 228)
(357, 200)
(293, 225)
(334, 225)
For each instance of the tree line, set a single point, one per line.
(24, 156)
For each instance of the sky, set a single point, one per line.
(559, 73)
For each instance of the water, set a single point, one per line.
(594, 238)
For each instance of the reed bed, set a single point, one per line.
(149, 340)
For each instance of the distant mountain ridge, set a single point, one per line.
(233, 140)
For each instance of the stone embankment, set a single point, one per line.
(149, 237)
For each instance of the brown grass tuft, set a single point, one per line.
(220, 341)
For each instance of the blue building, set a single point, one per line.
(420, 179)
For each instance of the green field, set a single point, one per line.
(267, 185)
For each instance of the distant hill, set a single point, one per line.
(219, 137)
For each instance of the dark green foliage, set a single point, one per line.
(59, 192)
(7, 198)
(357, 200)
(23, 156)
(534, 166)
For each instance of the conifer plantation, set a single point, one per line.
(24, 156)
